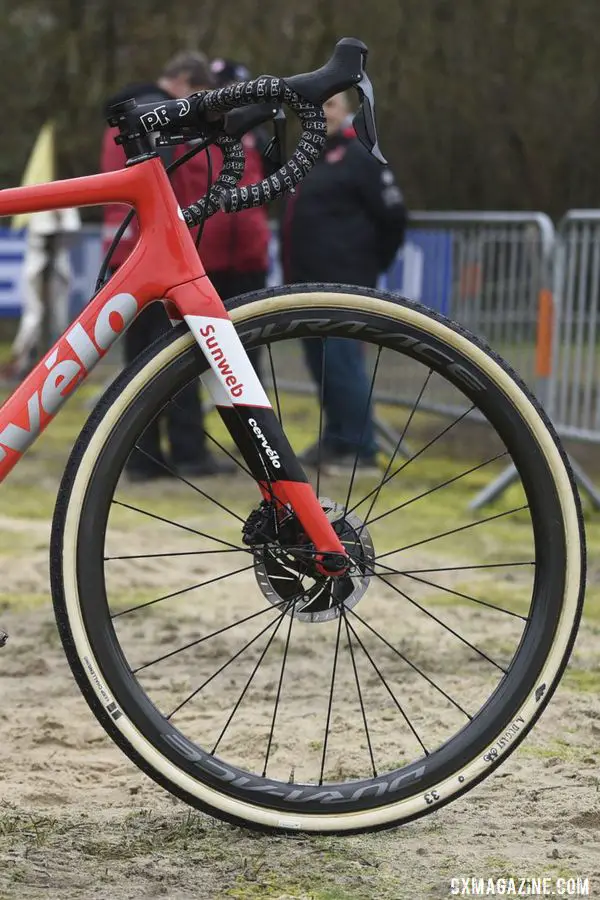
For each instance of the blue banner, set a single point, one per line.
(422, 270)
(12, 251)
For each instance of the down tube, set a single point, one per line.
(55, 378)
(253, 425)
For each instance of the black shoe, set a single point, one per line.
(313, 456)
(333, 462)
(146, 465)
(343, 464)
(208, 465)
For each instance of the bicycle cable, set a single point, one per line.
(209, 178)
(102, 274)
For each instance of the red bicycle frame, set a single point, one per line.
(163, 265)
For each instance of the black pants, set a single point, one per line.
(184, 417)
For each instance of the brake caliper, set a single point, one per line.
(261, 525)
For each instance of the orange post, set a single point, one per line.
(471, 281)
(545, 323)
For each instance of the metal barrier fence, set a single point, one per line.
(489, 271)
(500, 289)
(574, 401)
(532, 293)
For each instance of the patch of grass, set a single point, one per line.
(591, 607)
(506, 596)
(558, 748)
(28, 498)
(16, 824)
(25, 601)
(582, 680)
(253, 887)
(14, 542)
(141, 832)
(232, 862)
(497, 867)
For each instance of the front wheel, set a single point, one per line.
(268, 695)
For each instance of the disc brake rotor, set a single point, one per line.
(288, 578)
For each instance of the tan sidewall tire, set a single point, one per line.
(472, 770)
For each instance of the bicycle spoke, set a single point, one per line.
(223, 449)
(277, 698)
(397, 447)
(248, 683)
(446, 590)
(360, 699)
(186, 590)
(432, 490)
(363, 428)
(463, 568)
(435, 619)
(233, 458)
(224, 666)
(333, 669)
(414, 456)
(207, 637)
(272, 367)
(240, 465)
(179, 553)
(453, 531)
(194, 487)
(321, 399)
(388, 689)
(411, 664)
(145, 512)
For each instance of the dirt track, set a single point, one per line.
(78, 821)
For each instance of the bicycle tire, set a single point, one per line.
(103, 675)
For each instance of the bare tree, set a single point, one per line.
(482, 103)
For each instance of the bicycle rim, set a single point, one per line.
(375, 728)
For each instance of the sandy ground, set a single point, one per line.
(77, 820)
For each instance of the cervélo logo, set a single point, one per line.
(272, 454)
(76, 354)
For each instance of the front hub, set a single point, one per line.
(314, 586)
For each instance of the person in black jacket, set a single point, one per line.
(344, 225)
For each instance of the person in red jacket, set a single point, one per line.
(233, 249)
(245, 252)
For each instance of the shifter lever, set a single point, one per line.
(275, 153)
(364, 120)
(344, 70)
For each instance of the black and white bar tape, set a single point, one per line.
(224, 194)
